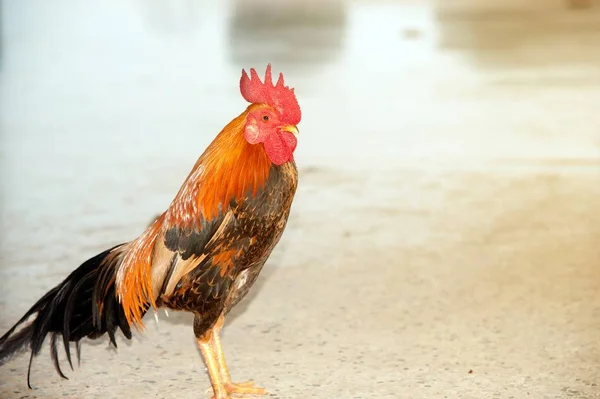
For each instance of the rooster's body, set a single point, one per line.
(202, 255)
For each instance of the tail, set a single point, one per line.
(85, 304)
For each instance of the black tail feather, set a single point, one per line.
(16, 344)
(85, 304)
(54, 355)
(78, 350)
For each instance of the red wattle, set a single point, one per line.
(280, 147)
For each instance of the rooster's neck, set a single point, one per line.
(229, 170)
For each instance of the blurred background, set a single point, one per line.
(444, 238)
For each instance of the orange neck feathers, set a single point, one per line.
(230, 168)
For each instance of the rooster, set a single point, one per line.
(201, 255)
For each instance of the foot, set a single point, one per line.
(245, 388)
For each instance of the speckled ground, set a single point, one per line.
(444, 239)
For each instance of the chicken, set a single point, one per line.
(202, 255)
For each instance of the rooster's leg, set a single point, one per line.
(219, 390)
(240, 388)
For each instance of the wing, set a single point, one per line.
(201, 261)
(167, 253)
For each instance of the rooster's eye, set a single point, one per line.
(265, 118)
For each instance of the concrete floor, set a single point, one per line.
(444, 239)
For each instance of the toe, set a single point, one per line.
(245, 388)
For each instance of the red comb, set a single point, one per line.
(280, 97)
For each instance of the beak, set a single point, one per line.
(292, 129)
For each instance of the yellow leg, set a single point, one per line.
(218, 386)
(247, 388)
